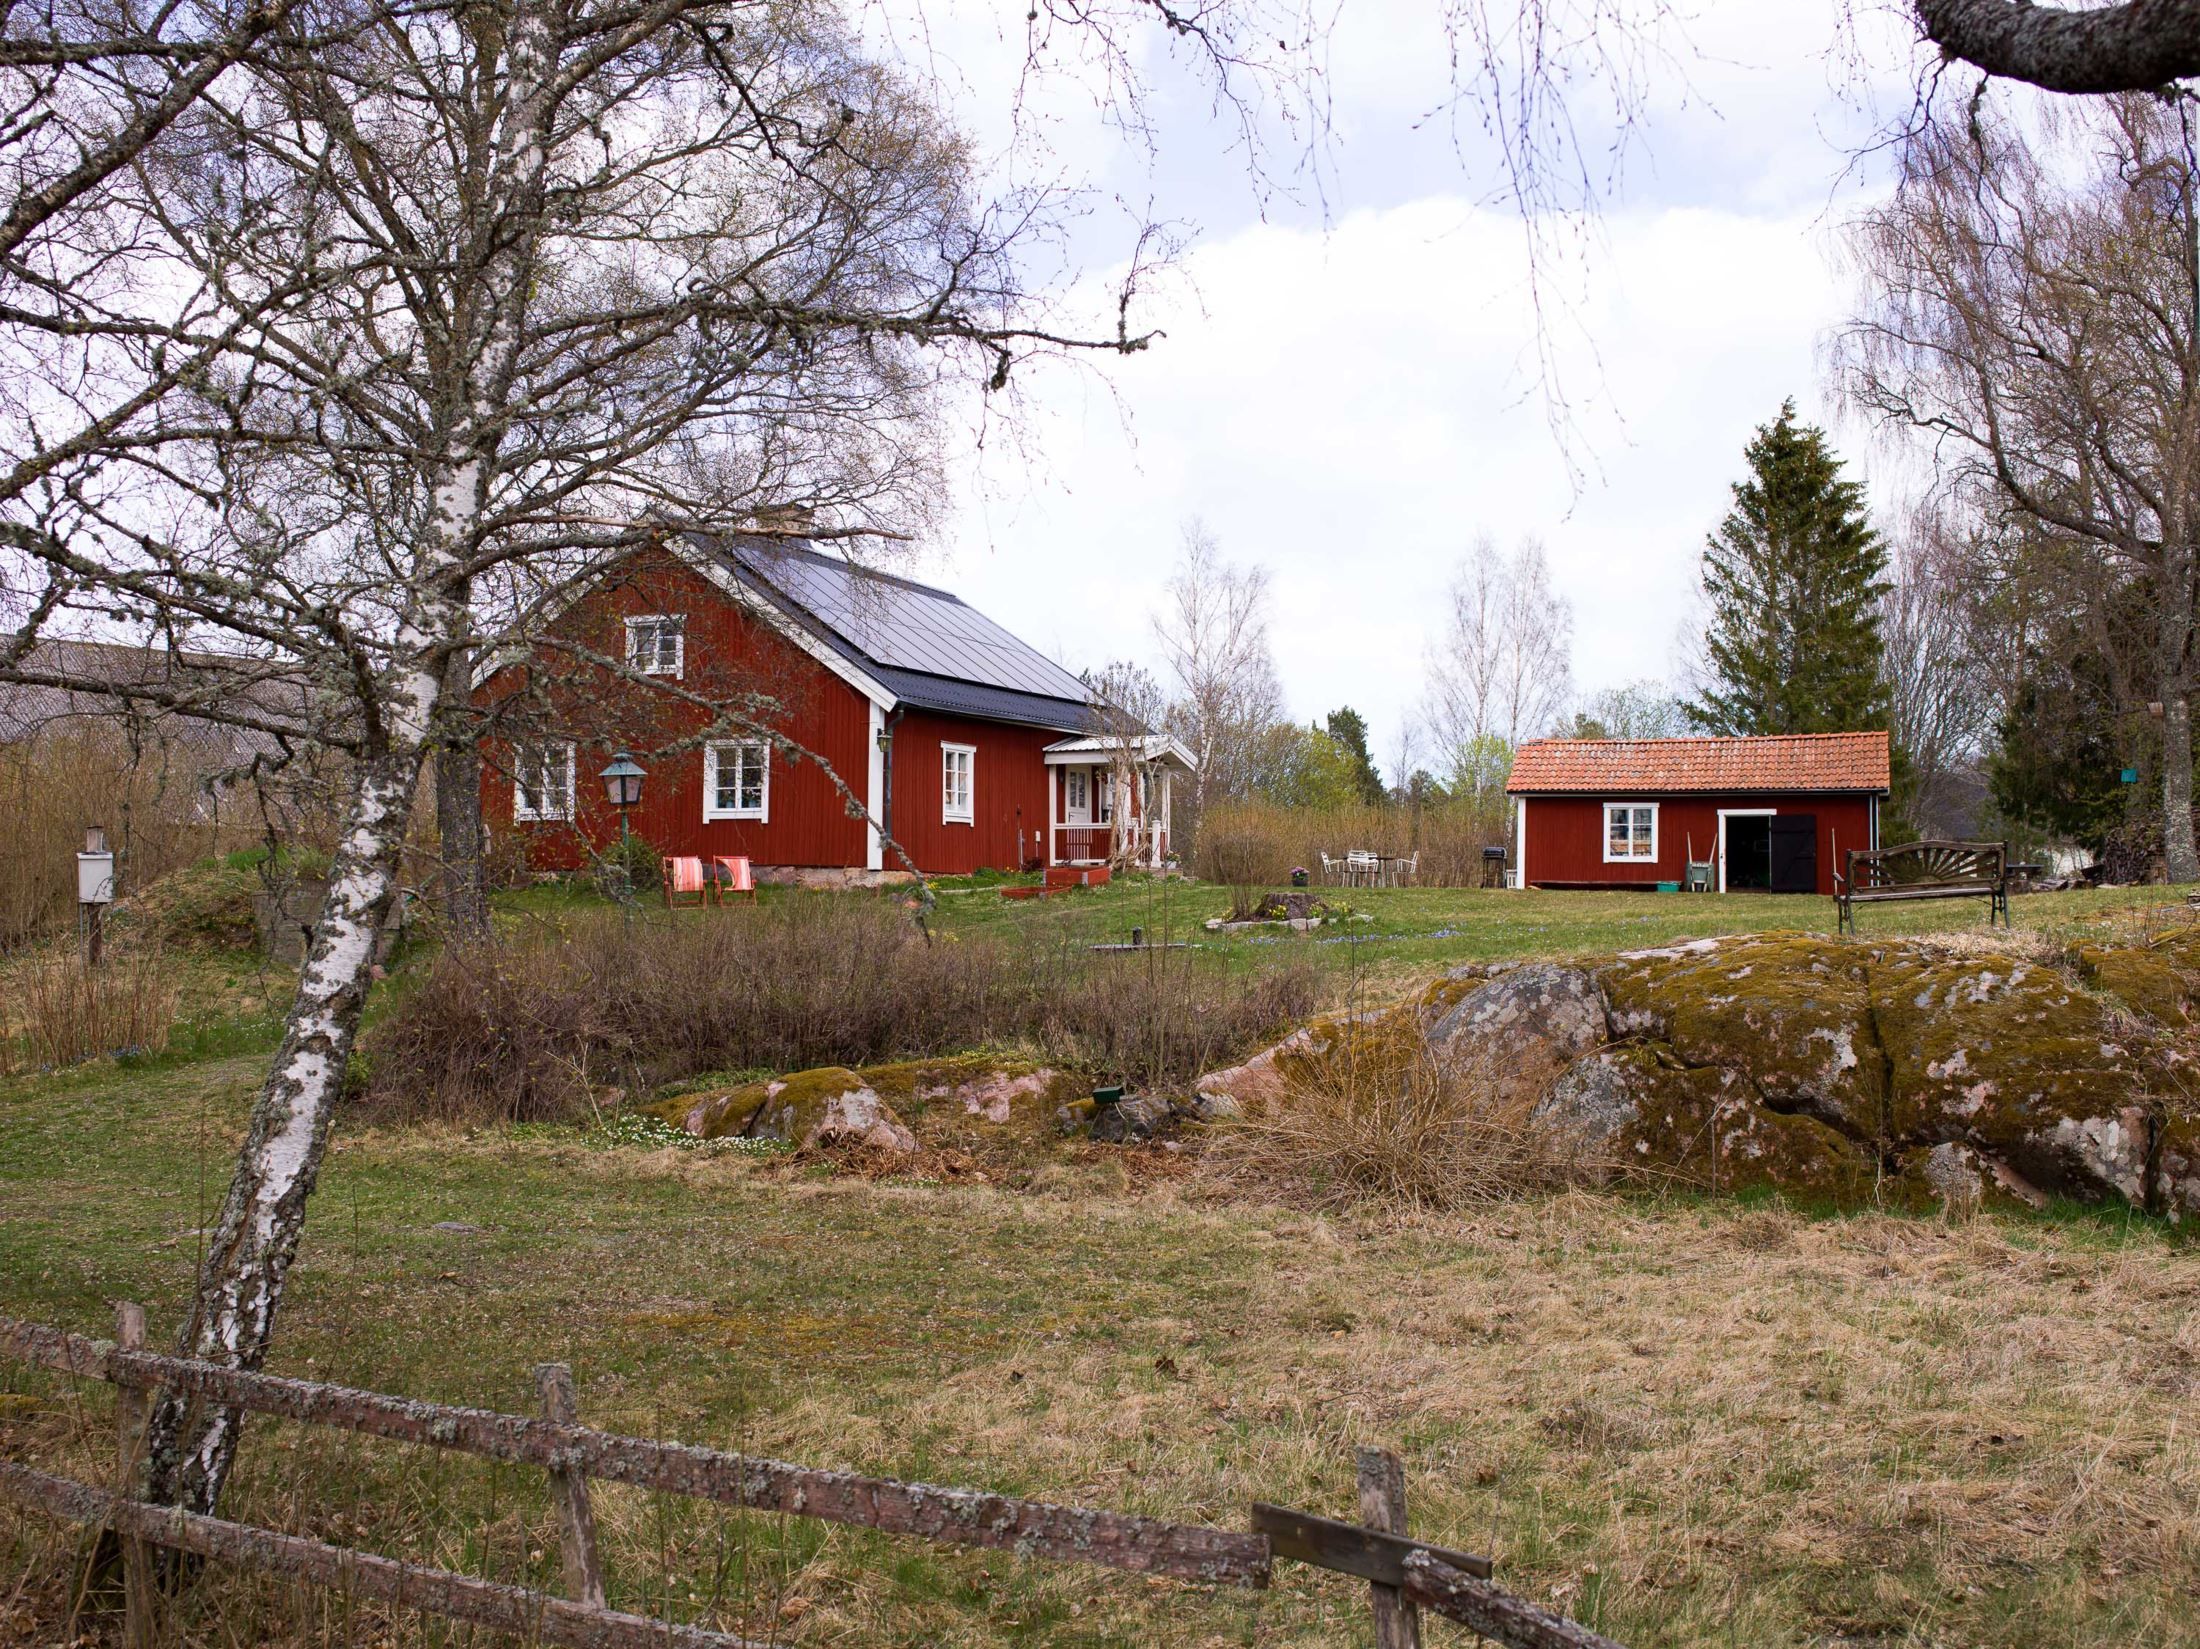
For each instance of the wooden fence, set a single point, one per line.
(1405, 1576)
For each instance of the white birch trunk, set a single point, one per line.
(240, 1285)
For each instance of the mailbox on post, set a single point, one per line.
(95, 887)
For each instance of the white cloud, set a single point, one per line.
(1351, 408)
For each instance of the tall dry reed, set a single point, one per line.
(1258, 844)
(1421, 1130)
(150, 799)
(67, 1012)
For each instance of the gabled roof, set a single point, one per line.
(1151, 747)
(89, 681)
(1670, 767)
(926, 646)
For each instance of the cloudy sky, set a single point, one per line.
(1354, 383)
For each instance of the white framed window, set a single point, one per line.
(737, 781)
(656, 644)
(1073, 788)
(1630, 832)
(958, 783)
(542, 781)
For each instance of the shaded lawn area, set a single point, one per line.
(1685, 1422)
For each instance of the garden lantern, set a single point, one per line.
(622, 782)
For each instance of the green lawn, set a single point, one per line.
(1423, 930)
(1686, 1422)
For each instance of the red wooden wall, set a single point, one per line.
(1565, 835)
(1008, 793)
(729, 656)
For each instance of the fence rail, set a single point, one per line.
(1404, 1575)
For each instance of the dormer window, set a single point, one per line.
(656, 644)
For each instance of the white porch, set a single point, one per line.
(1109, 799)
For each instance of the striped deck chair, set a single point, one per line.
(731, 873)
(684, 876)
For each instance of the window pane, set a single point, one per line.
(1616, 828)
(1643, 817)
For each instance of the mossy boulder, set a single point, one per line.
(976, 1102)
(2012, 1056)
(1644, 1113)
(1788, 1012)
(1522, 1028)
(2157, 978)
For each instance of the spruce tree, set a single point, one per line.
(1794, 578)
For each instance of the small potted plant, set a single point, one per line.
(1298, 876)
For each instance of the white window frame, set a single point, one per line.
(967, 813)
(657, 666)
(538, 756)
(762, 812)
(1075, 793)
(1630, 858)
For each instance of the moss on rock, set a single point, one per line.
(1790, 1010)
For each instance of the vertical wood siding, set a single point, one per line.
(1565, 835)
(1008, 793)
(729, 657)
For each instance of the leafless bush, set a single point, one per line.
(527, 1029)
(1416, 1132)
(70, 1012)
(1258, 844)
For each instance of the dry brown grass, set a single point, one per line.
(1257, 844)
(1689, 1422)
(1425, 1132)
(65, 1012)
(525, 1029)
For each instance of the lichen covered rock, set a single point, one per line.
(1788, 1012)
(1523, 1027)
(860, 1120)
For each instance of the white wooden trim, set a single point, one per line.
(520, 809)
(711, 810)
(875, 828)
(1726, 813)
(680, 652)
(1162, 824)
(1520, 847)
(969, 815)
(1604, 831)
(1054, 815)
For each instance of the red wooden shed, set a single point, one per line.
(1771, 813)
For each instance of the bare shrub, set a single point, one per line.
(70, 1012)
(1415, 1131)
(528, 1028)
(1258, 844)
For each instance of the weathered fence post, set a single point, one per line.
(1383, 1506)
(130, 1407)
(569, 1489)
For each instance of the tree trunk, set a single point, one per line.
(458, 806)
(2173, 660)
(189, 1447)
(2178, 847)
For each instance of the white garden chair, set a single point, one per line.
(1403, 870)
(1361, 867)
(1330, 873)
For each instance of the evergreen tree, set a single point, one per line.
(1794, 577)
(1349, 728)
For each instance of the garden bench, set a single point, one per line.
(1925, 870)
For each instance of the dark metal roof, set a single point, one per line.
(926, 646)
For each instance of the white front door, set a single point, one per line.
(1076, 796)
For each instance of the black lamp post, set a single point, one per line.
(622, 783)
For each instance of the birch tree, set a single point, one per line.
(551, 281)
(1214, 638)
(2031, 315)
(1502, 671)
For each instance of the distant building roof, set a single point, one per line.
(94, 681)
(928, 647)
(1669, 767)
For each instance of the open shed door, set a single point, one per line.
(1794, 852)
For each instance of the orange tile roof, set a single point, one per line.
(1802, 761)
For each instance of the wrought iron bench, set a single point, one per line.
(1925, 870)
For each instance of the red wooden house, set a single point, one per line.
(1768, 813)
(896, 705)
